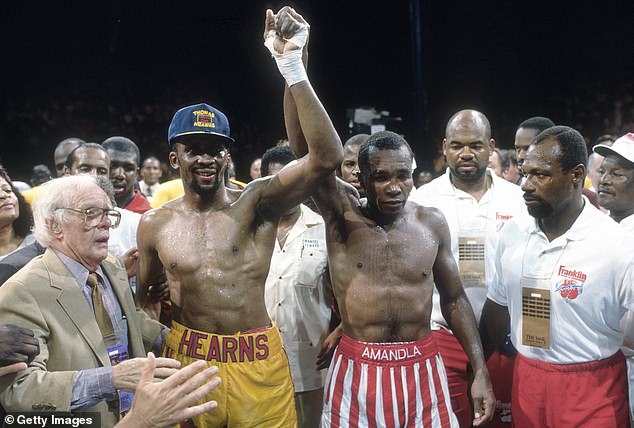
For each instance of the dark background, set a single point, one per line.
(96, 69)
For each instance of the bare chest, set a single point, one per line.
(374, 256)
(206, 245)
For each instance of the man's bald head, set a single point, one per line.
(356, 140)
(349, 171)
(468, 120)
(467, 146)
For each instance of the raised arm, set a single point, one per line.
(285, 35)
(291, 118)
(323, 195)
(459, 315)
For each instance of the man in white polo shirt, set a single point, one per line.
(616, 193)
(563, 281)
(477, 204)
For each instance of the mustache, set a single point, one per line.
(528, 197)
(467, 163)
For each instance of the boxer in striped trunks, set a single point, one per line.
(387, 384)
(385, 254)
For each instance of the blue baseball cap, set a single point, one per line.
(199, 119)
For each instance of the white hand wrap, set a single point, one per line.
(290, 63)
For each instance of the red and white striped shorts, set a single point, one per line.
(387, 385)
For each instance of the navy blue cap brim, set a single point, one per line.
(211, 135)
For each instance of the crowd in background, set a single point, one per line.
(33, 122)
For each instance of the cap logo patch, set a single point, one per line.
(204, 119)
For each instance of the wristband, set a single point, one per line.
(290, 63)
(291, 66)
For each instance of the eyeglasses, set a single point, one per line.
(93, 217)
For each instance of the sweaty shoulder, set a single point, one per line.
(155, 219)
(429, 216)
(255, 204)
(253, 191)
(256, 186)
(160, 213)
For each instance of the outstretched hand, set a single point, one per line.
(127, 374)
(173, 400)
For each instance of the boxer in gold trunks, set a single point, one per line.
(216, 243)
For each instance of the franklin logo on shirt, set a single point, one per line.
(569, 289)
(572, 283)
(502, 219)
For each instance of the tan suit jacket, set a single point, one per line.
(45, 297)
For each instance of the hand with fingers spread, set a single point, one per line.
(18, 347)
(172, 400)
(128, 373)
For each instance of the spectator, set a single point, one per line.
(563, 304)
(297, 294)
(77, 301)
(477, 205)
(41, 174)
(255, 169)
(60, 155)
(15, 217)
(150, 173)
(350, 166)
(423, 177)
(510, 169)
(526, 131)
(616, 193)
(124, 166)
(495, 162)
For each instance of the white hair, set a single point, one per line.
(63, 192)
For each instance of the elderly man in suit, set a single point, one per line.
(76, 299)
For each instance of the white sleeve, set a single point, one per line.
(497, 289)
